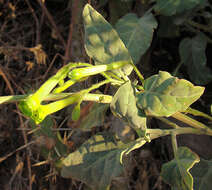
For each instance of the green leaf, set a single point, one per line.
(136, 33)
(95, 117)
(192, 53)
(202, 174)
(95, 163)
(172, 7)
(124, 106)
(102, 43)
(165, 95)
(176, 172)
(76, 112)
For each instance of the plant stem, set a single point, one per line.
(192, 122)
(60, 104)
(100, 98)
(174, 143)
(138, 73)
(64, 86)
(174, 125)
(198, 113)
(47, 87)
(156, 133)
(114, 76)
(200, 26)
(114, 81)
(177, 68)
(42, 111)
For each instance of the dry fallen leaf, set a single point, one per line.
(40, 55)
(29, 65)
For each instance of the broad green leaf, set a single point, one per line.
(172, 7)
(136, 33)
(202, 174)
(95, 117)
(124, 106)
(192, 53)
(176, 172)
(102, 42)
(95, 163)
(165, 95)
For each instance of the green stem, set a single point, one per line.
(114, 76)
(192, 122)
(100, 98)
(114, 81)
(198, 113)
(138, 73)
(64, 86)
(156, 133)
(47, 87)
(200, 26)
(95, 86)
(174, 144)
(177, 68)
(60, 104)
(171, 124)
(39, 114)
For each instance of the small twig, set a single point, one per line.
(51, 20)
(51, 64)
(52, 129)
(41, 163)
(74, 10)
(19, 48)
(23, 132)
(18, 149)
(6, 80)
(14, 83)
(27, 156)
(36, 22)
